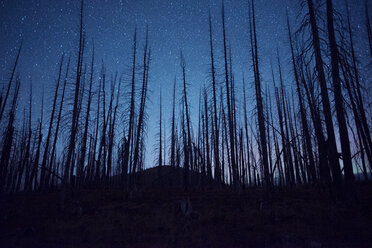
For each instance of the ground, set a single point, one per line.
(303, 216)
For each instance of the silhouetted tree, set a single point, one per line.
(4, 100)
(132, 105)
(74, 122)
(259, 101)
(217, 169)
(304, 124)
(146, 61)
(188, 158)
(47, 141)
(8, 140)
(173, 131)
(229, 109)
(339, 102)
(331, 141)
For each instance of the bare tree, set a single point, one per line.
(217, 171)
(188, 158)
(229, 110)
(8, 140)
(304, 124)
(47, 141)
(132, 105)
(173, 131)
(259, 101)
(74, 122)
(146, 61)
(339, 104)
(331, 142)
(4, 101)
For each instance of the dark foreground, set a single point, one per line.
(301, 217)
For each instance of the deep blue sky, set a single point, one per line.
(50, 27)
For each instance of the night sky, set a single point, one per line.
(50, 27)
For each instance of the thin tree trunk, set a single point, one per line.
(47, 141)
(4, 101)
(259, 102)
(304, 123)
(339, 104)
(333, 155)
(8, 140)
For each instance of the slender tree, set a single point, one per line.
(74, 122)
(143, 101)
(259, 101)
(173, 131)
(217, 169)
(228, 101)
(8, 140)
(304, 124)
(246, 133)
(188, 159)
(333, 155)
(47, 141)
(87, 116)
(338, 97)
(4, 101)
(131, 114)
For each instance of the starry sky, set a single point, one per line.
(50, 27)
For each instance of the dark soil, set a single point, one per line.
(299, 217)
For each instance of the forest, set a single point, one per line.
(292, 170)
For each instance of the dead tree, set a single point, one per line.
(206, 130)
(56, 132)
(282, 134)
(160, 146)
(339, 102)
(304, 124)
(229, 110)
(188, 158)
(111, 128)
(333, 155)
(32, 184)
(132, 105)
(47, 141)
(259, 101)
(74, 122)
(308, 84)
(8, 140)
(287, 144)
(86, 125)
(95, 162)
(102, 145)
(354, 90)
(26, 157)
(217, 169)
(173, 132)
(146, 61)
(225, 136)
(246, 134)
(4, 101)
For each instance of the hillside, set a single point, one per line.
(171, 177)
(300, 217)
